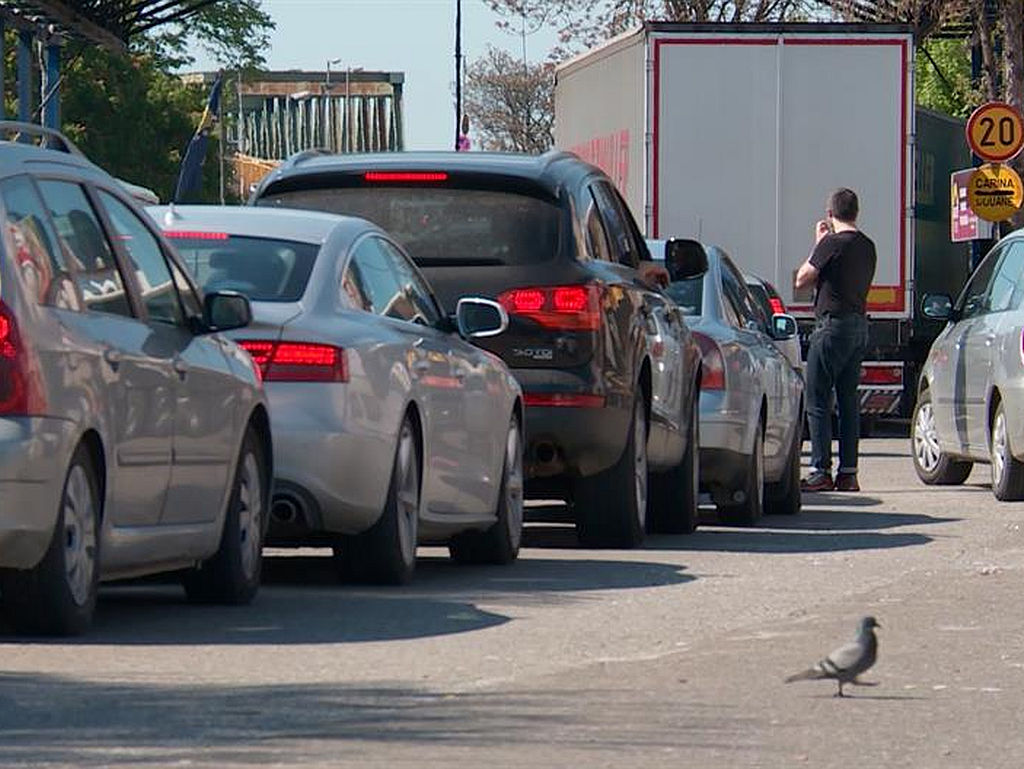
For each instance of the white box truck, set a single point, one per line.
(736, 134)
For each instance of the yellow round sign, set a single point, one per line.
(995, 192)
(995, 132)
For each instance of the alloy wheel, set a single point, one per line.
(514, 483)
(250, 515)
(926, 439)
(640, 462)
(407, 486)
(79, 535)
(999, 448)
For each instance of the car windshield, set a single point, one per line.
(688, 294)
(264, 269)
(446, 226)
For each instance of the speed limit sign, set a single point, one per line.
(995, 132)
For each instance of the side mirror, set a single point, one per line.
(937, 306)
(478, 318)
(783, 326)
(225, 310)
(685, 259)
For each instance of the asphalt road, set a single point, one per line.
(671, 656)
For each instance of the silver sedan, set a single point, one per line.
(390, 429)
(971, 392)
(751, 395)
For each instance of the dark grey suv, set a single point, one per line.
(608, 368)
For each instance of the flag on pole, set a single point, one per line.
(191, 173)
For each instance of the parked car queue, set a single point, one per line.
(152, 395)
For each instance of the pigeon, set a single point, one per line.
(848, 661)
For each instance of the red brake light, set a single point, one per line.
(777, 305)
(405, 176)
(185, 235)
(570, 308)
(578, 400)
(21, 392)
(881, 375)
(298, 361)
(712, 372)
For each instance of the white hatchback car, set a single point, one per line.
(134, 438)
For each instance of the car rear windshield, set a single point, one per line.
(688, 294)
(445, 226)
(264, 269)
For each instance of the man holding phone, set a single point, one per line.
(841, 267)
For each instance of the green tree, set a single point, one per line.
(132, 115)
(942, 78)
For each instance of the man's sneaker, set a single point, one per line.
(817, 481)
(847, 482)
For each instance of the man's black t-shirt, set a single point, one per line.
(846, 267)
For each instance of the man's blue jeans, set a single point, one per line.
(836, 350)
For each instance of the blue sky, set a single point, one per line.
(416, 37)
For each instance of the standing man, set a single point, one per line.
(841, 267)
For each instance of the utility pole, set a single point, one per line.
(221, 139)
(458, 70)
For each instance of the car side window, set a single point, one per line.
(381, 293)
(623, 249)
(597, 236)
(34, 245)
(415, 287)
(1006, 290)
(736, 289)
(974, 298)
(156, 284)
(86, 248)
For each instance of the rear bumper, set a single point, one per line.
(34, 453)
(572, 441)
(333, 467)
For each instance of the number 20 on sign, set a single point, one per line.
(995, 132)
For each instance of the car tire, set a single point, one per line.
(499, 544)
(675, 494)
(232, 575)
(1007, 472)
(385, 554)
(784, 497)
(58, 595)
(611, 507)
(932, 466)
(750, 509)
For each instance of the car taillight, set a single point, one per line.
(777, 305)
(712, 371)
(881, 375)
(297, 361)
(572, 400)
(21, 392)
(571, 308)
(189, 235)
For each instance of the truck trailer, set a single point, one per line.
(735, 134)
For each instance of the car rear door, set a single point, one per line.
(206, 392)
(139, 382)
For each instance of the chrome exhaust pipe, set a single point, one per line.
(285, 509)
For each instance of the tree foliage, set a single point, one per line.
(582, 24)
(131, 114)
(510, 103)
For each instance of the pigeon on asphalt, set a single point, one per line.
(848, 661)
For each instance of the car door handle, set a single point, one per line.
(113, 359)
(181, 367)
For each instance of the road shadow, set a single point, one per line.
(786, 541)
(52, 720)
(302, 602)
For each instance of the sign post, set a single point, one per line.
(995, 133)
